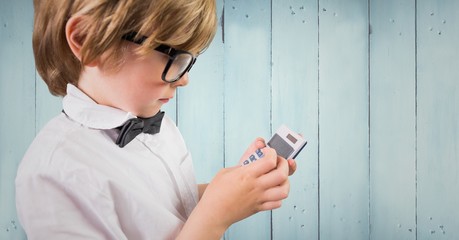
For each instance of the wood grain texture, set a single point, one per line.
(294, 98)
(343, 119)
(437, 119)
(247, 93)
(392, 120)
(17, 105)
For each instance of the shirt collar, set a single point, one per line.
(82, 109)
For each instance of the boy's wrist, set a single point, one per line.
(203, 224)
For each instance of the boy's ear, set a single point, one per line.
(75, 39)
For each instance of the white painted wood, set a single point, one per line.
(247, 95)
(294, 98)
(437, 119)
(392, 120)
(343, 119)
(17, 105)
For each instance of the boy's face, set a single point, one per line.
(137, 86)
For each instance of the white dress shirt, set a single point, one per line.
(76, 183)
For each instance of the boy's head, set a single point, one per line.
(183, 24)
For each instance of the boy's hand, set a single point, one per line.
(291, 166)
(239, 192)
(259, 143)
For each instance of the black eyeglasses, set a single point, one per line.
(179, 63)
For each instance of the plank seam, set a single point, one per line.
(369, 117)
(416, 117)
(318, 120)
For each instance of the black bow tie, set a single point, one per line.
(134, 126)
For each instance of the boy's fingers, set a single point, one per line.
(279, 192)
(274, 178)
(265, 164)
(274, 196)
(258, 143)
(291, 166)
(270, 205)
(282, 164)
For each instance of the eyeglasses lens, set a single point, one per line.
(178, 66)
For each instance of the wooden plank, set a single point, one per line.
(438, 119)
(200, 109)
(392, 120)
(247, 36)
(343, 119)
(17, 105)
(294, 97)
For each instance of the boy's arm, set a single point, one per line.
(237, 193)
(66, 210)
(201, 189)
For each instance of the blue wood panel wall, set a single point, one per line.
(295, 103)
(372, 84)
(392, 120)
(343, 119)
(437, 119)
(17, 105)
(247, 92)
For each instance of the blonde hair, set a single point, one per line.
(183, 24)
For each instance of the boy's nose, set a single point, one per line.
(183, 81)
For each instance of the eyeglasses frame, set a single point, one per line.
(162, 48)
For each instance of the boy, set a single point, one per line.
(111, 165)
